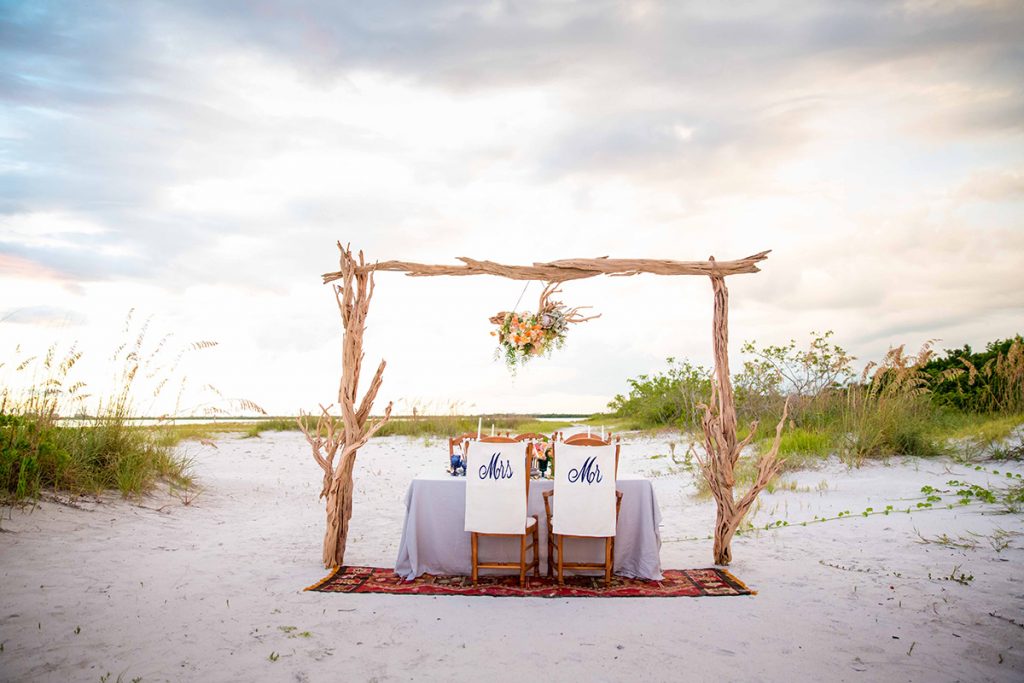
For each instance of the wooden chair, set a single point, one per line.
(556, 541)
(531, 437)
(459, 440)
(530, 524)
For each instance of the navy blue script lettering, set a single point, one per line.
(497, 469)
(589, 473)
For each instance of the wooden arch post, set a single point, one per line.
(721, 447)
(353, 297)
(721, 450)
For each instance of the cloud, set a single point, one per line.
(993, 185)
(202, 158)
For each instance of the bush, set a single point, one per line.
(670, 397)
(804, 375)
(104, 454)
(905, 405)
(800, 441)
(990, 381)
(40, 450)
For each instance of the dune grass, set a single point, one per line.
(101, 453)
(171, 433)
(983, 429)
(902, 405)
(275, 424)
(452, 425)
(421, 425)
(98, 449)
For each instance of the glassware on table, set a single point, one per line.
(543, 454)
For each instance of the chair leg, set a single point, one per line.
(522, 560)
(551, 552)
(561, 576)
(536, 550)
(475, 556)
(607, 562)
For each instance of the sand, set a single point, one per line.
(212, 591)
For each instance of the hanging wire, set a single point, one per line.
(521, 296)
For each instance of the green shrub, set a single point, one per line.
(987, 381)
(801, 441)
(452, 425)
(669, 397)
(39, 450)
(807, 376)
(892, 410)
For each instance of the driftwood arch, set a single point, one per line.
(721, 447)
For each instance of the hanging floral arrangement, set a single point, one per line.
(524, 335)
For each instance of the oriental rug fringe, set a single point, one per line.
(677, 583)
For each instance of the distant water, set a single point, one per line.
(153, 421)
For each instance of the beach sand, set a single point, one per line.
(213, 590)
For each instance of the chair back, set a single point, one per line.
(585, 489)
(584, 440)
(488, 439)
(531, 436)
(589, 439)
(497, 485)
(459, 441)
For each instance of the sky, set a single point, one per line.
(196, 163)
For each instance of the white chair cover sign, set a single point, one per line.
(585, 502)
(495, 500)
(497, 486)
(585, 491)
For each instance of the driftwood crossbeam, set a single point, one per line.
(721, 447)
(566, 269)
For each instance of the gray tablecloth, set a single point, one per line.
(434, 542)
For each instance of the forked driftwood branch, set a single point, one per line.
(546, 305)
(721, 450)
(572, 315)
(353, 297)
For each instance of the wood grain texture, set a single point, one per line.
(353, 297)
(565, 269)
(721, 450)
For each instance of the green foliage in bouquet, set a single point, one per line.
(521, 336)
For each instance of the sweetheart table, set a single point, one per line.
(434, 542)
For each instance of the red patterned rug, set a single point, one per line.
(678, 583)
